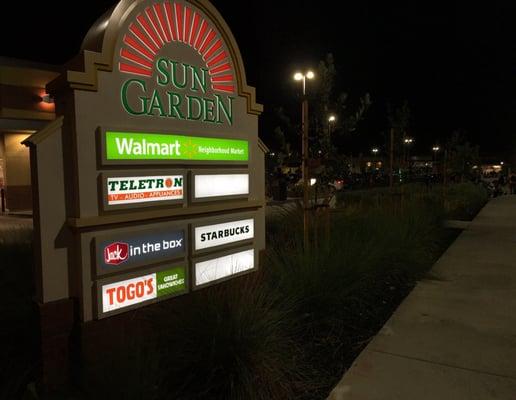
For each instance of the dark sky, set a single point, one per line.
(455, 62)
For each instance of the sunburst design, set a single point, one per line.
(168, 22)
(190, 149)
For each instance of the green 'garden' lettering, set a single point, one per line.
(168, 100)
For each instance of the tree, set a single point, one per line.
(462, 155)
(399, 120)
(324, 99)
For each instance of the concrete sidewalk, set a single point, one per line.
(454, 336)
(10, 222)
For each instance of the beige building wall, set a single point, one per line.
(16, 170)
(22, 111)
(2, 165)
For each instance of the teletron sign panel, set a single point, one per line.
(140, 189)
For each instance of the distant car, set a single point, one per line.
(337, 184)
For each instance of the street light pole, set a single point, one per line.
(304, 117)
(331, 119)
(304, 154)
(391, 159)
(435, 150)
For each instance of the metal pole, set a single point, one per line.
(305, 169)
(445, 166)
(445, 161)
(391, 159)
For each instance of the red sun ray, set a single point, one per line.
(179, 20)
(209, 37)
(133, 44)
(158, 9)
(204, 27)
(131, 69)
(188, 24)
(217, 59)
(139, 34)
(155, 24)
(195, 27)
(212, 50)
(221, 68)
(124, 53)
(170, 18)
(149, 31)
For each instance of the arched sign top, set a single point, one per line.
(166, 22)
(130, 37)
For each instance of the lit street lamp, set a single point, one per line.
(374, 150)
(331, 121)
(406, 150)
(298, 76)
(408, 142)
(435, 149)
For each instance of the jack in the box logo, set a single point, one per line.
(116, 253)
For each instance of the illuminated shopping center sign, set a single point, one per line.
(154, 164)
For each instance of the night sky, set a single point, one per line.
(455, 63)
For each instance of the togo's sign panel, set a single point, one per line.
(124, 251)
(142, 189)
(142, 289)
(121, 147)
(223, 234)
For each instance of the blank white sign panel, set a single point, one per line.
(222, 267)
(221, 185)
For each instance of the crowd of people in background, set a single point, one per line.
(499, 183)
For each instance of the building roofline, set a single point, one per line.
(20, 63)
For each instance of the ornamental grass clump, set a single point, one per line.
(237, 340)
(346, 289)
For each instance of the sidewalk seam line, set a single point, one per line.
(443, 364)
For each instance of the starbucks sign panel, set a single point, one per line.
(158, 124)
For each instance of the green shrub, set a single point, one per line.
(464, 200)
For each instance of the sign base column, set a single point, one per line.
(56, 324)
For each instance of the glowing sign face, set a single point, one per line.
(222, 234)
(223, 267)
(141, 247)
(167, 88)
(142, 289)
(142, 189)
(153, 146)
(221, 185)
